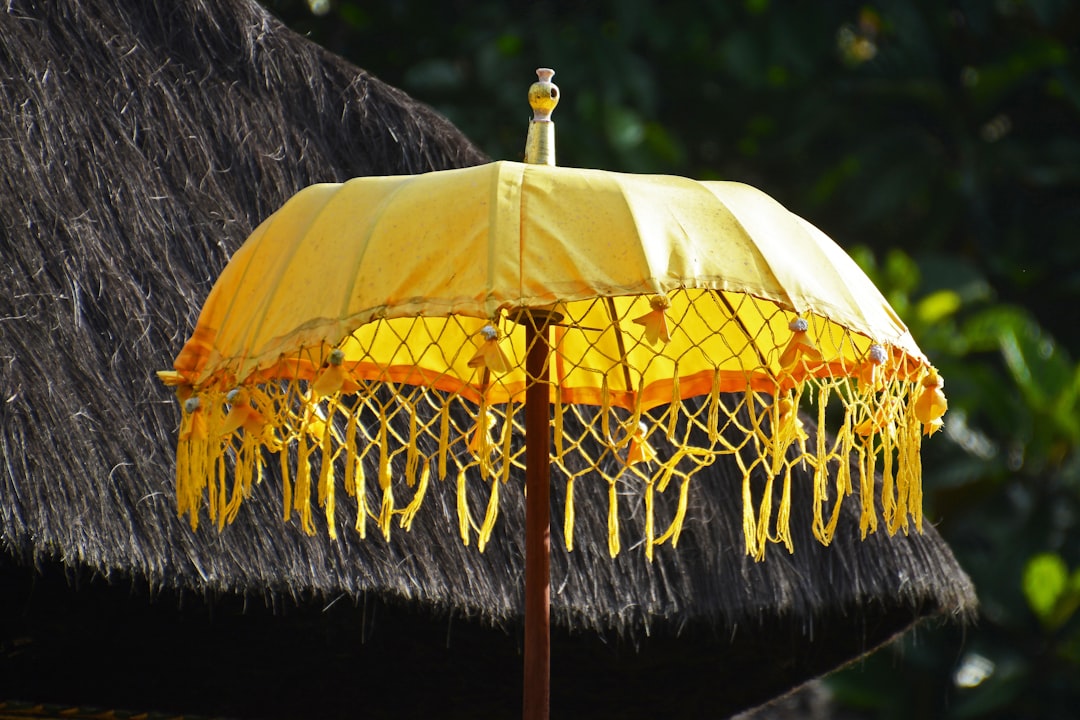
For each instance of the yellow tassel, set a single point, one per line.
(507, 442)
(326, 463)
(568, 516)
(360, 489)
(219, 443)
(302, 494)
(605, 411)
(480, 442)
(326, 486)
(890, 493)
(635, 417)
(868, 471)
(650, 520)
(184, 483)
(783, 514)
(906, 491)
(182, 477)
(676, 402)
(613, 520)
(242, 472)
(489, 517)
(213, 487)
(714, 408)
(911, 468)
(680, 512)
(205, 429)
(350, 452)
(286, 484)
(660, 485)
(843, 472)
(386, 511)
(821, 474)
(223, 488)
(192, 452)
(776, 444)
(558, 427)
(387, 507)
(384, 456)
(464, 519)
(444, 437)
(749, 516)
(914, 469)
(412, 454)
(409, 513)
(764, 516)
(246, 457)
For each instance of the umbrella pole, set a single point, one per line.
(537, 522)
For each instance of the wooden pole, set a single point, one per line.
(539, 150)
(537, 694)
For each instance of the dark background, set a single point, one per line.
(939, 143)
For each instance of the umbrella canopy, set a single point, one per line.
(205, 118)
(663, 290)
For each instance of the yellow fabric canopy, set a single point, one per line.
(507, 235)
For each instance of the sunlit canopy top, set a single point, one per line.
(480, 243)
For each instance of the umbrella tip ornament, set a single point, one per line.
(543, 97)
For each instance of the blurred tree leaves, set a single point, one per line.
(939, 142)
(1052, 593)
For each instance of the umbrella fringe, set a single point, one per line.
(223, 435)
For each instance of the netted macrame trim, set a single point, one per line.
(385, 443)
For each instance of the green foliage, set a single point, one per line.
(943, 138)
(1052, 593)
(1004, 489)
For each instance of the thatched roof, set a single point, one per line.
(140, 142)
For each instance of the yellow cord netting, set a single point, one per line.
(652, 389)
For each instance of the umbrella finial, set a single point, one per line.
(543, 97)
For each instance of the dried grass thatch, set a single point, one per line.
(140, 142)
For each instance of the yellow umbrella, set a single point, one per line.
(421, 325)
